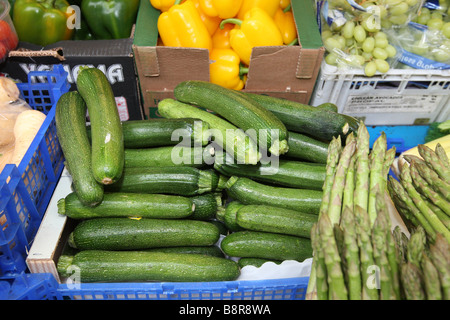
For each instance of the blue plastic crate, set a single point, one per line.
(27, 189)
(402, 137)
(29, 286)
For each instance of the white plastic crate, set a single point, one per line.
(399, 97)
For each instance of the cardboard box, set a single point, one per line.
(114, 57)
(283, 71)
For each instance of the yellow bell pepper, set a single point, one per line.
(211, 23)
(181, 26)
(256, 29)
(225, 69)
(285, 22)
(223, 9)
(162, 5)
(270, 6)
(221, 38)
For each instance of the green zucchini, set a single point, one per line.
(106, 128)
(222, 228)
(129, 205)
(276, 220)
(303, 147)
(319, 123)
(265, 245)
(142, 266)
(164, 132)
(224, 134)
(248, 191)
(230, 216)
(289, 173)
(206, 206)
(328, 106)
(137, 234)
(255, 262)
(213, 251)
(70, 119)
(237, 109)
(167, 156)
(183, 181)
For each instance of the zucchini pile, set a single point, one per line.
(176, 198)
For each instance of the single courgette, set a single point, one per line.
(303, 147)
(183, 181)
(142, 266)
(224, 134)
(265, 245)
(248, 191)
(164, 132)
(319, 123)
(136, 234)
(106, 128)
(168, 156)
(289, 173)
(276, 220)
(70, 118)
(129, 205)
(239, 110)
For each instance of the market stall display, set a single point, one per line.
(233, 186)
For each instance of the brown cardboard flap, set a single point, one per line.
(308, 63)
(55, 53)
(147, 59)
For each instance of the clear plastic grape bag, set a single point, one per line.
(354, 37)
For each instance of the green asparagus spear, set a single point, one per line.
(440, 256)
(369, 288)
(431, 217)
(336, 283)
(442, 155)
(412, 282)
(351, 254)
(433, 180)
(388, 160)
(434, 162)
(349, 187)
(321, 270)
(362, 170)
(401, 254)
(432, 283)
(335, 206)
(377, 180)
(416, 246)
(403, 194)
(334, 151)
(427, 191)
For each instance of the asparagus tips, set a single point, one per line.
(335, 206)
(434, 162)
(432, 283)
(416, 246)
(412, 282)
(337, 288)
(376, 178)
(369, 279)
(361, 193)
(440, 256)
(433, 179)
(430, 216)
(401, 193)
(351, 254)
(442, 155)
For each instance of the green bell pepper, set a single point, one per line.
(42, 22)
(110, 19)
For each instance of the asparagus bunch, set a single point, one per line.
(356, 255)
(425, 272)
(422, 194)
